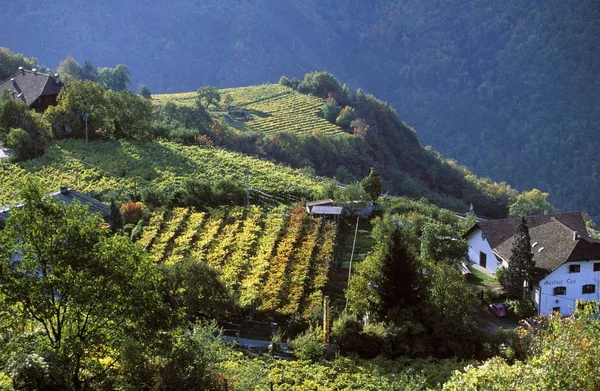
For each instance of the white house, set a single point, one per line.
(567, 259)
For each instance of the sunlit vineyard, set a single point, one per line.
(124, 167)
(277, 260)
(277, 108)
(242, 96)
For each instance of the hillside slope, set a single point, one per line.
(278, 122)
(510, 89)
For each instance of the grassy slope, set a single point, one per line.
(122, 166)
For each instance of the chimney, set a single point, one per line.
(56, 78)
(575, 235)
(22, 70)
(64, 189)
(34, 70)
(14, 82)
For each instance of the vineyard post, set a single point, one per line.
(326, 320)
(247, 185)
(351, 258)
(85, 117)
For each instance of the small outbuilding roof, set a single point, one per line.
(67, 196)
(327, 210)
(320, 203)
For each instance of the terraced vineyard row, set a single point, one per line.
(101, 167)
(285, 109)
(292, 113)
(276, 260)
(242, 96)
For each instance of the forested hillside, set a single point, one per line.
(508, 88)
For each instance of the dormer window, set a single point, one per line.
(574, 268)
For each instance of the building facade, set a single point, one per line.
(567, 260)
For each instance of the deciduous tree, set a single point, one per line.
(116, 78)
(533, 202)
(85, 290)
(208, 96)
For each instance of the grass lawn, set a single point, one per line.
(482, 280)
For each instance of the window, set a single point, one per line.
(574, 268)
(555, 309)
(589, 288)
(560, 290)
(597, 267)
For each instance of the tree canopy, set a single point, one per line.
(208, 96)
(532, 202)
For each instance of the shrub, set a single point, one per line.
(308, 345)
(158, 130)
(154, 197)
(292, 83)
(499, 273)
(137, 231)
(228, 192)
(375, 340)
(5, 383)
(24, 131)
(521, 308)
(345, 333)
(183, 135)
(331, 110)
(197, 193)
(320, 84)
(132, 212)
(29, 371)
(346, 116)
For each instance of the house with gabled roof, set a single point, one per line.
(38, 90)
(567, 260)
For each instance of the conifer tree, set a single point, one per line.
(521, 265)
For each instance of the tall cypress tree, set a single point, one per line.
(521, 265)
(400, 285)
(115, 218)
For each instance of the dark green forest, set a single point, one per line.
(510, 89)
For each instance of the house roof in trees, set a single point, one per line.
(67, 196)
(551, 245)
(327, 210)
(27, 86)
(498, 231)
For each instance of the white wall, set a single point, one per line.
(573, 282)
(478, 244)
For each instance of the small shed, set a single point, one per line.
(312, 204)
(333, 213)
